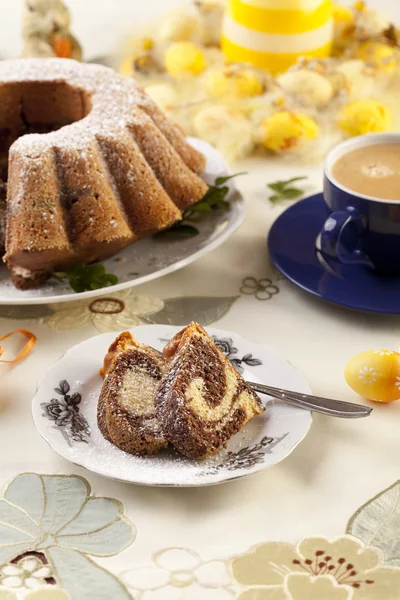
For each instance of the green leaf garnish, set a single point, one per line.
(177, 232)
(284, 190)
(85, 278)
(214, 198)
(222, 180)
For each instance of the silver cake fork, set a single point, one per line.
(326, 406)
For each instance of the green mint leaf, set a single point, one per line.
(220, 194)
(179, 231)
(277, 187)
(224, 204)
(292, 193)
(222, 180)
(201, 207)
(302, 178)
(275, 199)
(76, 271)
(93, 271)
(209, 193)
(110, 279)
(84, 278)
(281, 186)
(283, 191)
(76, 285)
(215, 197)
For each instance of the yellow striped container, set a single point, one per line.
(272, 34)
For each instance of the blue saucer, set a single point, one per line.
(291, 245)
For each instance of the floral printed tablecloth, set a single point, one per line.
(324, 524)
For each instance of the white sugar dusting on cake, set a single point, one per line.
(102, 151)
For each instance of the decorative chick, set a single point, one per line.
(46, 30)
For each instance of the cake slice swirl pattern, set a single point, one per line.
(203, 400)
(190, 396)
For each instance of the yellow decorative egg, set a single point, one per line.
(147, 44)
(375, 375)
(285, 130)
(184, 58)
(379, 55)
(234, 80)
(364, 116)
(360, 5)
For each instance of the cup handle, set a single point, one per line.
(339, 239)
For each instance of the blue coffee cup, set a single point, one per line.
(359, 229)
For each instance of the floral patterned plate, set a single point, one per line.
(65, 406)
(150, 258)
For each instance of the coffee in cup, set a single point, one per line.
(362, 197)
(371, 170)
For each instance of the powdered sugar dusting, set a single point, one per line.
(102, 107)
(115, 100)
(149, 258)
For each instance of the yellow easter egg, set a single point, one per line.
(285, 130)
(381, 56)
(360, 5)
(375, 375)
(183, 59)
(234, 80)
(364, 116)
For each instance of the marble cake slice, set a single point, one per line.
(202, 400)
(126, 412)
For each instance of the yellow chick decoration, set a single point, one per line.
(364, 116)
(285, 130)
(235, 80)
(46, 30)
(184, 59)
(379, 55)
(309, 87)
(375, 375)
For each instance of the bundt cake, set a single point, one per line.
(202, 400)
(126, 411)
(91, 165)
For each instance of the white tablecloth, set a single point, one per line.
(339, 466)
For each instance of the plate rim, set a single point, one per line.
(235, 218)
(227, 477)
